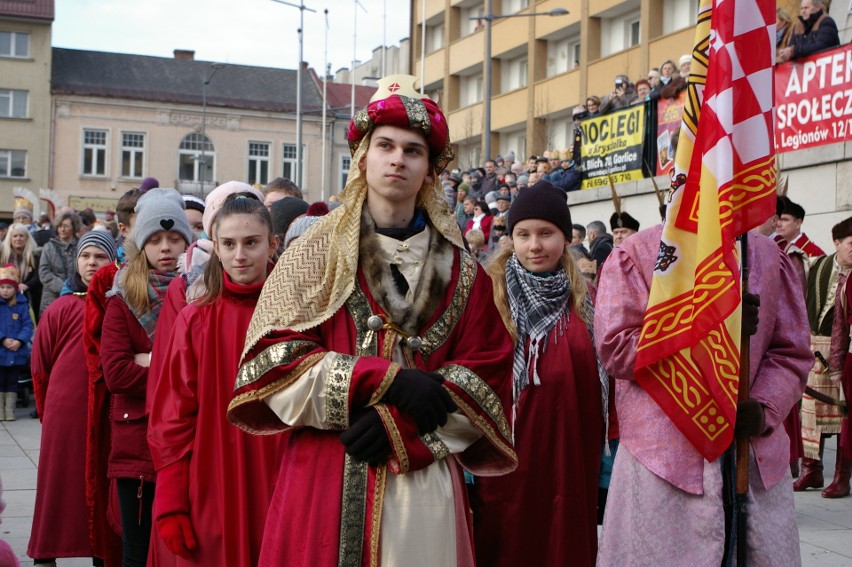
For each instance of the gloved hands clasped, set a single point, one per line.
(422, 396)
(419, 394)
(366, 439)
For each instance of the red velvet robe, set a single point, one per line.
(59, 382)
(545, 512)
(231, 473)
(312, 519)
(174, 302)
(101, 496)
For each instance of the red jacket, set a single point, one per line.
(484, 226)
(123, 337)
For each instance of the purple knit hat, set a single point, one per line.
(148, 183)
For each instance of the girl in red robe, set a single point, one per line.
(160, 234)
(544, 513)
(59, 382)
(215, 482)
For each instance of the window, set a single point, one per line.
(574, 54)
(620, 32)
(513, 6)
(94, 152)
(13, 104)
(193, 165)
(434, 37)
(678, 14)
(258, 163)
(468, 25)
(471, 90)
(14, 44)
(514, 75)
(132, 154)
(13, 163)
(288, 166)
(632, 36)
(345, 164)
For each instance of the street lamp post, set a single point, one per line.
(301, 6)
(489, 17)
(202, 161)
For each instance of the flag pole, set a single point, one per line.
(742, 443)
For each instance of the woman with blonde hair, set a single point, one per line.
(783, 28)
(544, 513)
(160, 235)
(20, 248)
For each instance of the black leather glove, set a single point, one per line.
(750, 419)
(366, 439)
(421, 395)
(751, 303)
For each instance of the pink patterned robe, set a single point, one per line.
(665, 500)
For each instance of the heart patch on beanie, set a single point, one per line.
(167, 224)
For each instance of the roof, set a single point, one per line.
(339, 95)
(28, 9)
(162, 79)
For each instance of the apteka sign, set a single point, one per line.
(813, 100)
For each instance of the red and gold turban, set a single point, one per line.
(396, 103)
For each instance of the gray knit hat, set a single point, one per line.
(299, 227)
(99, 239)
(160, 209)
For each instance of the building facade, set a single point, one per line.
(541, 66)
(120, 118)
(393, 60)
(25, 63)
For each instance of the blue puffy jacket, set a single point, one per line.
(15, 323)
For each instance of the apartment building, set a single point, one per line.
(25, 62)
(541, 65)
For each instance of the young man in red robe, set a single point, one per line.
(376, 340)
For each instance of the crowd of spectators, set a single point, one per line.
(813, 31)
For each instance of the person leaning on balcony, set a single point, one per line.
(783, 29)
(679, 80)
(815, 31)
(667, 75)
(593, 105)
(621, 96)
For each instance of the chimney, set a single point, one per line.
(185, 54)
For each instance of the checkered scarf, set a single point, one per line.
(540, 303)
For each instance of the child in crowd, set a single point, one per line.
(59, 382)
(20, 249)
(476, 243)
(100, 490)
(16, 330)
(189, 285)
(160, 235)
(215, 482)
(544, 512)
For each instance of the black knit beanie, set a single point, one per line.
(541, 201)
(284, 211)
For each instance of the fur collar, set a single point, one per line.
(411, 316)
